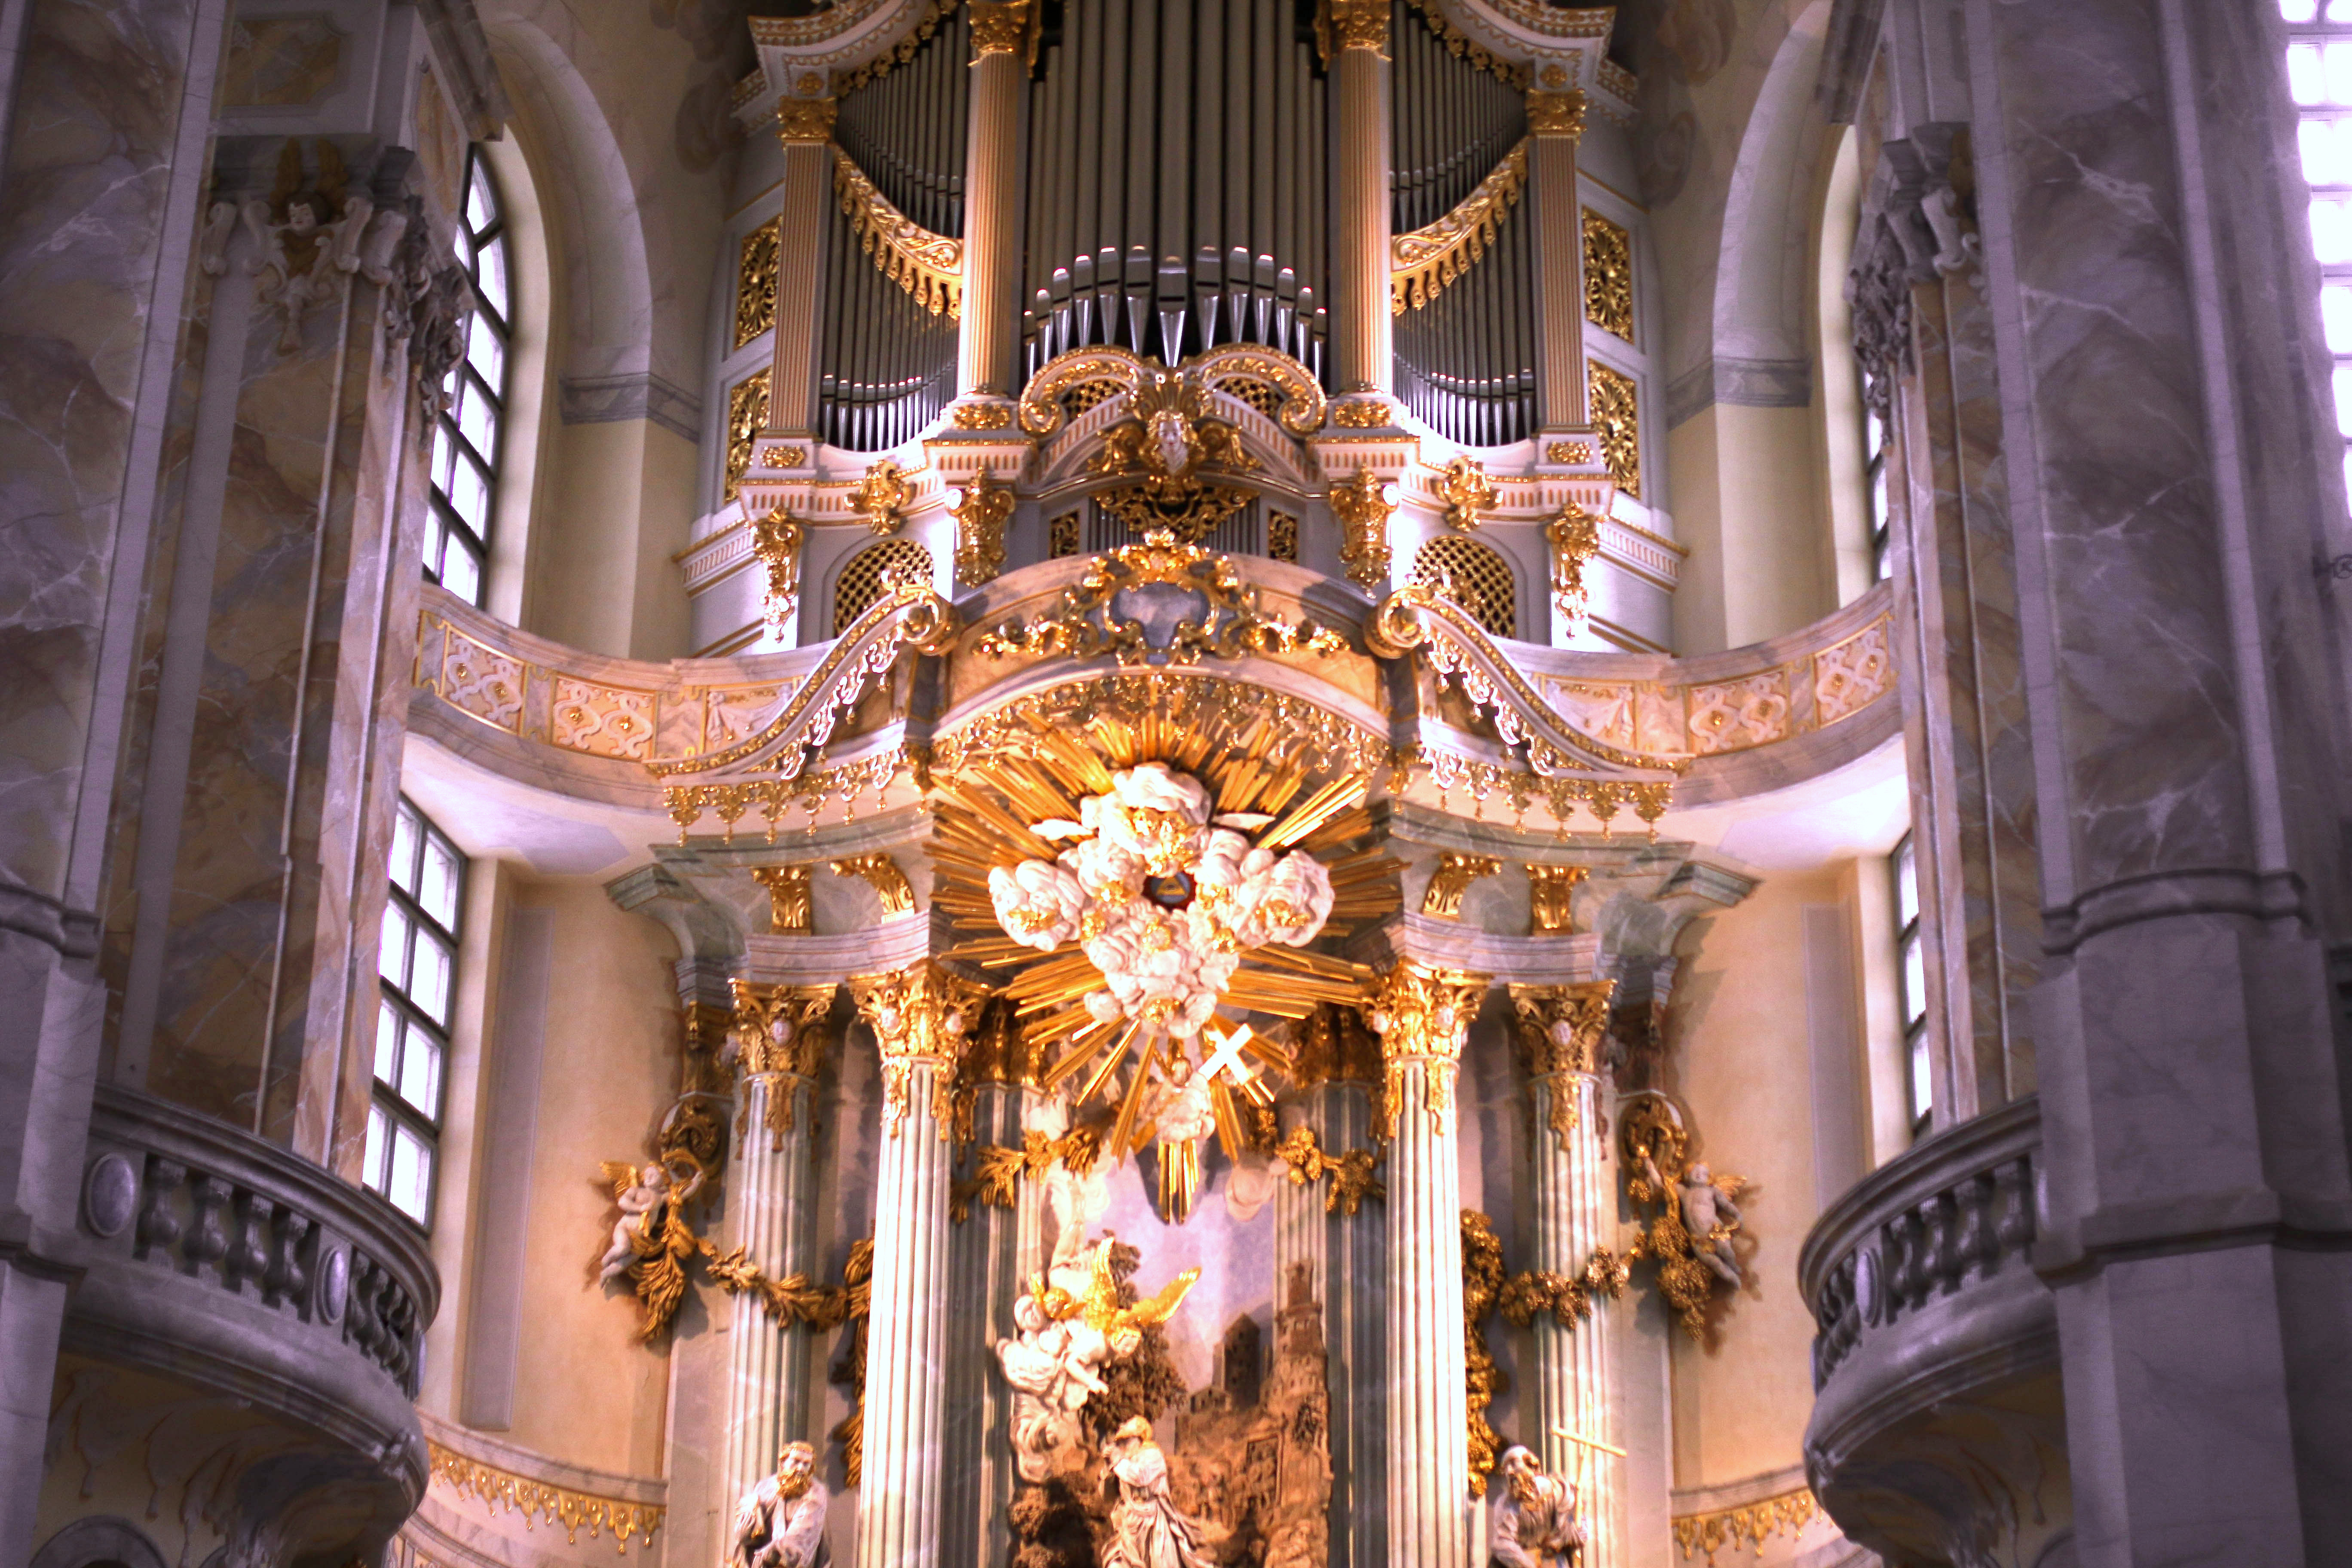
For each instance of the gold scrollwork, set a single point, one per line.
(1576, 452)
(1575, 539)
(1607, 276)
(1362, 505)
(1443, 898)
(1460, 44)
(502, 1490)
(755, 280)
(1163, 451)
(881, 873)
(929, 267)
(788, 905)
(747, 416)
(983, 415)
(1350, 1171)
(1352, 24)
(1566, 1299)
(921, 1017)
(1421, 1014)
(1466, 491)
(1422, 261)
(1362, 416)
(776, 542)
(1617, 418)
(1750, 1524)
(1561, 1029)
(998, 1169)
(1550, 889)
(981, 514)
(1482, 1283)
(1085, 626)
(881, 497)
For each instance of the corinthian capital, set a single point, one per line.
(1358, 25)
(997, 27)
(780, 1034)
(1422, 1015)
(1561, 1031)
(804, 119)
(1556, 113)
(923, 1016)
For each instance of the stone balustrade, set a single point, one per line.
(239, 1273)
(1936, 1352)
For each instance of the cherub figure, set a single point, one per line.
(652, 1242)
(1710, 1215)
(640, 1195)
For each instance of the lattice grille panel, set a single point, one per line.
(860, 583)
(1472, 577)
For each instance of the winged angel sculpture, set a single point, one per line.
(652, 1243)
(1070, 1326)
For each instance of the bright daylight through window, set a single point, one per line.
(465, 445)
(2319, 73)
(418, 963)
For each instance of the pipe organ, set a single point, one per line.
(1378, 199)
(1176, 190)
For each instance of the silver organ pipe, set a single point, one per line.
(888, 366)
(1177, 191)
(1465, 361)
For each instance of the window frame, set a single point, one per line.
(391, 1112)
(2316, 24)
(1875, 500)
(452, 445)
(1919, 1082)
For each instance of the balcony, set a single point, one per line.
(1938, 1427)
(221, 1275)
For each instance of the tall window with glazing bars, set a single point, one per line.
(465, 443)
(418, 965)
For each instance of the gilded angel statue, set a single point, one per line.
(1071, 1325)
(652, 1242)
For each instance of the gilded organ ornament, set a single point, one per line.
(1466, 491)
(1224, 621)
(1607, 276)
(776, 541)
(929, 267)
(1353, 24)
(1363, 503)
(755, 280)
(998, 26)
(1165, 451)
(981, 509)
(1617, 418)
(747, 416)
(1422, 261)
(881, 497)
(1556, 113)
(1575, 539)
(805, 121)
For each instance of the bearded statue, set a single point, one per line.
(780, 1523)
(1533, 1515)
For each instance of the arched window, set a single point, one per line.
(860, 583)
(1473, 576)
(2320, 74)
(465, 445)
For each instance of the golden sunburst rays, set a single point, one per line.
(1037, 772)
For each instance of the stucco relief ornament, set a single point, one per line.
(307, 243)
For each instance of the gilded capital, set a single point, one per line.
(1362, 506)
(997, 27)
(1357, 25)
(922, 1015)
(802, 120)
(1556, 113)
(1422, 1015)
(781, 1034)
(985, 507)
(1560, 1028)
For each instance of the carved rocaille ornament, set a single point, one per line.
(1466, 491)
(1556, 113)
(1164, 451)
(1551, 890)
(929, 267)
(1085, 623)
(1363, 503)
(982, 511)
(1607, 276)
(1483, 1279)
(881, 873)
(788, 911)
(755, 280)
(984, 416)
(1422, 261)
(1423, 1014)
(1617, 419)
(776, 541)
(1575, 539)
(805, 119)
(781, 1035)
(1350, 1171)
(1690, 1213)
(881, 497)
(1441, 900)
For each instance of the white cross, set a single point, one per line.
(1229, 1056)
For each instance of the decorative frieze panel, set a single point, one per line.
(755, 280)
(1607, 276)
(1617, 416)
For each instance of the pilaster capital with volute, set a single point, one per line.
(1355, 25)
(998, 26)
(802, 122)
(1560, 1028)
(1422, 1015)
(923, 1016)
(781, 1036)
(1556, 113)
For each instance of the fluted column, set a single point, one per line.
(1361, 351)
(1421, 1015)
(1339, 1072)
(921, 1017)
(1561, 1027)
(781, 1040)
(993, 1251)
(987, 349)
(804, 125)
(1555, 123)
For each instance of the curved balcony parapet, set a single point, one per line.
(214, 1259)
(1729, 725)
(1938, 1423)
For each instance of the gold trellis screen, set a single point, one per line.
(1473, 576)
(860, 583)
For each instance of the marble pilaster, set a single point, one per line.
(921, 1017)
(805, 127)
(1361, 353)
(1422, 1017)
(988, 348)
(782, 1038)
